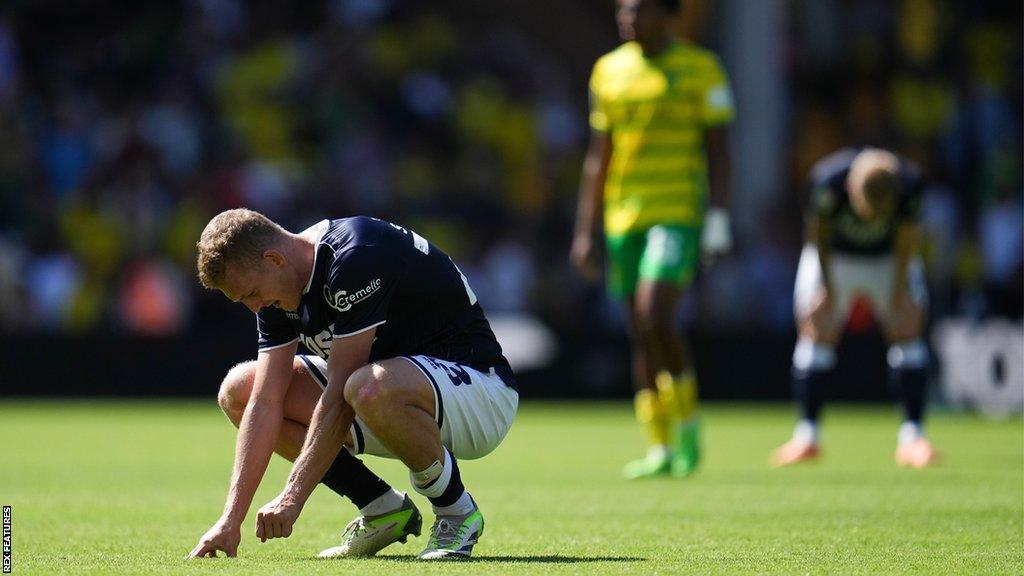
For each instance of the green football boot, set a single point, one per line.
(367, 535)
(687, 456)
(453, 537)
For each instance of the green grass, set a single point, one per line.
(128, 488)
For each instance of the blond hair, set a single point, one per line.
(874, 176)
(233, 236)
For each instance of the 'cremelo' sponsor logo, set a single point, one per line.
(342, 300)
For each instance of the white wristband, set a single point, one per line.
(717, 236)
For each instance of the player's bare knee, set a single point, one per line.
(352, 386)
(235, 390)
(904, 332)
(816, 328)
(805, 328)
(909, 327)
(367, 390)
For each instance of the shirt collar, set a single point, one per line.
(320, 228)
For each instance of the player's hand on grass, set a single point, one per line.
(584, 256)
(276, 518)
(223, 536)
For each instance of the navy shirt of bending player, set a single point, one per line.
(368, 273)
(830, 200)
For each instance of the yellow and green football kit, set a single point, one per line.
(656, 111)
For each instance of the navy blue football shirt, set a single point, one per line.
(368, 273)
(830, 200)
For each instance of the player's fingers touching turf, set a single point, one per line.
(209, 550)
(220, 537)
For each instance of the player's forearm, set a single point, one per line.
(589, 208)
(257, 434)
(327, 429)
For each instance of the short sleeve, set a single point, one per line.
(275, 330)
(359, 287)
(599, 120)
(718, 105)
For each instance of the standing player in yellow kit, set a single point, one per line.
(658, 110)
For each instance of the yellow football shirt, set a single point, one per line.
(656, 111)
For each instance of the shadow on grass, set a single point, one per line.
(541, 559)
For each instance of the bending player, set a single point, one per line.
(861, 240)
(656, 104)
(406, 367)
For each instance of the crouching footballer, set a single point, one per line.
(404, 365)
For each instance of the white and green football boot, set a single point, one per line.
(657, 462)
(453, 537)
(367, 535)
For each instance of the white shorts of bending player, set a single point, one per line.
(473, 416)
(852, 276)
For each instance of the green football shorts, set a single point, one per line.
(666, 252)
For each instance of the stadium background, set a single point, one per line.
(125, 126)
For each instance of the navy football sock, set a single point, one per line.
(811, 388)
(349, 477)
(908, 384)
(454, 490)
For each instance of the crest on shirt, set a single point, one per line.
(342, 300)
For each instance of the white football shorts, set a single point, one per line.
(854, 275)
(474, 410)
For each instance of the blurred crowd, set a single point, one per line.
(125, 127)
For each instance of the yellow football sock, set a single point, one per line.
(652, 416)
(679, 394)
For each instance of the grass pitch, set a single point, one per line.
(128, 488)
